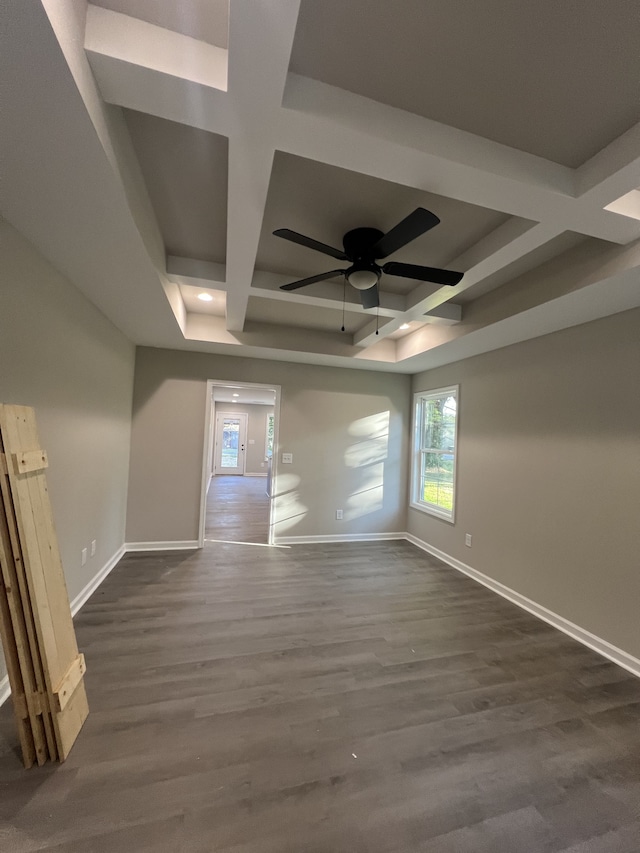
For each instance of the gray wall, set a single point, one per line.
(60, 355)
(347, 430)
(256, 432)
(549, 473)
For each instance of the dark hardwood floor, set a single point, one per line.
(237, 509)
(342, 698)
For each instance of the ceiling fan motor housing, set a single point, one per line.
(358, 247)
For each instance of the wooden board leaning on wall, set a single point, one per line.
(44, 666)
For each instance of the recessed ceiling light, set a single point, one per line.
(206, 297)
(235, 395)
(404, 326)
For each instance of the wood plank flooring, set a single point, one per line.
(337, 698)
(237, 509)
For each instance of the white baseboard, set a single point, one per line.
(185, 545)
(5, 690)
(339, 537)
(596, 644)
(259, 474)
(95, 582)
(76, 604)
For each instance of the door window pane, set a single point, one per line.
(230, 443)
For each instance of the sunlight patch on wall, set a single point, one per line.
(373, 426)
(373, 447)
(366, 452)
(369, 497)
(289, 509)
(366, 457)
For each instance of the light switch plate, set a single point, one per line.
(287, 458)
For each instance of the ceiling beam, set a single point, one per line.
(280, 339)
(143, 67)
(260, 42)
(503, 246)
(327, 294)
(425, 299)
(447, 314)
(196, 273)
(612, 172)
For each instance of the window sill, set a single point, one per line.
(434, 511)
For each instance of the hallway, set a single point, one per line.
(237, 510)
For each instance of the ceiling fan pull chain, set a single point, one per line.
(344, 296)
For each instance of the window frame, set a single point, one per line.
(417, 451)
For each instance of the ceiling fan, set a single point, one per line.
(363, 247)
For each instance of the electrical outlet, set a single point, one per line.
(94, 545)
(467, 540)
(84, 556)
(338, 515)
(287, 458)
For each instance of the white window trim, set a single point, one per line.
(414, 503)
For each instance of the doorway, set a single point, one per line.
(241, 439)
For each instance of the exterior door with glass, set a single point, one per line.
(231, 441)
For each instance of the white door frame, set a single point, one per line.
(207, 449)
(242, 437)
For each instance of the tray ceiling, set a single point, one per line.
(153, 148)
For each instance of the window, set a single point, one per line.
(434, 452)
(268, 444)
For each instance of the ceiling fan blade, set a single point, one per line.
(294, 237)
(437, 276)
(404, 232)
(370, 297)
(305, 281)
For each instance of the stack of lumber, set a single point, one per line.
(45, 669)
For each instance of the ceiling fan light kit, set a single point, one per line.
(364, 247)
(362, 279)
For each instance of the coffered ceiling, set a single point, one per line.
(154, 146)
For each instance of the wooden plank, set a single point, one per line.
(60, 648)
(68, 721)
(21, 713)
(34, 659)
(21, 559)
(29, 460)
(23, 629)
(65, 690)
(45, 575)
(70, 718)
